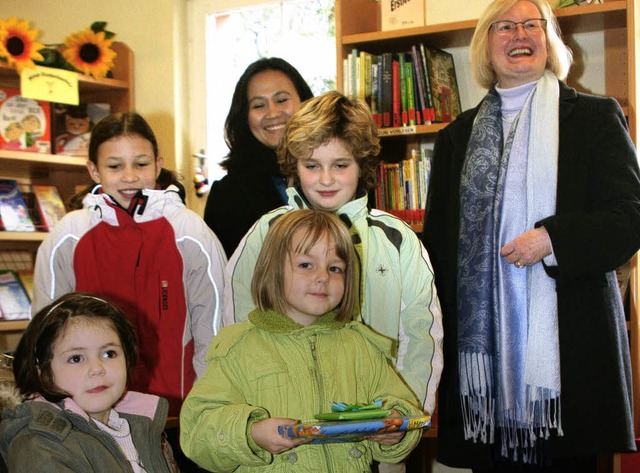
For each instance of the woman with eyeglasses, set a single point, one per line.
(534, 202)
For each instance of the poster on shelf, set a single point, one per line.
(398, 14)
(24, 123)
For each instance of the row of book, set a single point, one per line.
(29, 208)
(404, 88)
(43, 127)
(404, 185)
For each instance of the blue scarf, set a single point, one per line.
(509, 368)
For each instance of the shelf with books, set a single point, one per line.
(66, 173)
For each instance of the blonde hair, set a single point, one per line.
(559, 57)
(267, 285)
(323, 118)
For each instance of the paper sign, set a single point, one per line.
(52, 85)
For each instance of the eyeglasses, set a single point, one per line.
(508, 27)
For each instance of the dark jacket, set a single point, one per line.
(596, 228)
(38, 436)
(236, 201)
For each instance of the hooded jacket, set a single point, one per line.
(274, 367)
(159, 263)
(38, 436)
(399, 297)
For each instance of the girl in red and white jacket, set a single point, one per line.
(139, 247)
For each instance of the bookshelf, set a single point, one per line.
(65, 172)
(618, 22)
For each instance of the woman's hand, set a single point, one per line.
(528, 248)
(265, 434)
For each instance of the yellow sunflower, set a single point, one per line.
(18, 45)
(90, 52)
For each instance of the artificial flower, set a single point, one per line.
(89, 50)
(17, 44)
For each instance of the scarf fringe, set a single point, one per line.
(519, 429)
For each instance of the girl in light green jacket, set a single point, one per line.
(299, 351)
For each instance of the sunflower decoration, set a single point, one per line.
(89, 50)
(17, 44)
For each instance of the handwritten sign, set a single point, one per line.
(52, 85)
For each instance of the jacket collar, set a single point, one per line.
(273, 321)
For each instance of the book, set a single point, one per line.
(32, 207)
(24, 123)
(419, 82)
(444, 84)
(396, 104)
(386, 91)
(396, 14)
(428, 91)
(352, 430)
(72, 125)
(50, 204)
(14, 212)
(14, 300)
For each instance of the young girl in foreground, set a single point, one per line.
(299, 351)
(72, 366)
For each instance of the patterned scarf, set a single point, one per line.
(509, 368)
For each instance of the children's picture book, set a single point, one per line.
(14, 212)
(352, 430)
(72, 125)
(50, 204)
(14, 301)
(24, 123)
(444, 84)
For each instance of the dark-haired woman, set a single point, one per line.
(267, 94)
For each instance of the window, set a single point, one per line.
(300, 31)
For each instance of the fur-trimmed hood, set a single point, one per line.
(10, 396)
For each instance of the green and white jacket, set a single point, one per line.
(399, 297)
(272, 367)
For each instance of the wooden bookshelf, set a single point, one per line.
(65, 172)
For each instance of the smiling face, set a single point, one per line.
(126, 164)
(89, 364)
(313, 280)
(520, 57)
(329, 177)
(272, 99)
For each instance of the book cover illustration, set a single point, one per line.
(352, 430)
(14, 212)
(352, 423)
(24, 123)
(14, 301)
(444, 85)
(73, 124)
(50, 204)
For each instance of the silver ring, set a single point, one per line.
(518, 265)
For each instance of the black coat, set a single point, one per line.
(235, 202)
(596, 228)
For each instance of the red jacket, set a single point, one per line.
(161, 265)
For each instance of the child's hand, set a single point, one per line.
(265, 433)
(390, 437)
